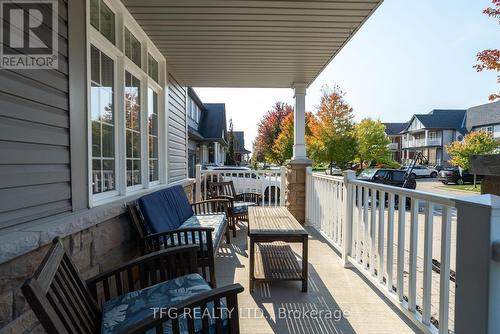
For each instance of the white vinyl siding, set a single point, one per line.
(177, 135)
(35, 176)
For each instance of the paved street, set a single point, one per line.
(436, 187)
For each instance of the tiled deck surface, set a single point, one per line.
(332, 290)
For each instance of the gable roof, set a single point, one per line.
(392, 129)
(441, 119)
(192, 94)
(485, 114)
(213, 122)
(239, 143)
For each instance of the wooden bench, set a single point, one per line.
(201, 236)
(64, 303)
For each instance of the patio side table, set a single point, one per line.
(270, 230)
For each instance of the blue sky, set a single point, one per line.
(409, 57)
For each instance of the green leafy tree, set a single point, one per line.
(372, 142)
(477, 142)
(231, 141)
(332, 137)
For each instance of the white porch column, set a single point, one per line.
(295, 176)
(299, 133)
(216, 153)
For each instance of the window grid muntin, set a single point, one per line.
(153, 68)
(132, 48)
(153, 136)
(100, 159)
(98, 8)
(132, 130)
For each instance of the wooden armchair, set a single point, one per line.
(64, 303)
(201, 236)
(238, 203)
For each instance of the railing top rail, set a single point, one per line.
(420, 195)
(257, 171)
(328, 177)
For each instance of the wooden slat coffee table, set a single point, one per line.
(271, 258)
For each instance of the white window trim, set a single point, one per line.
(157, 90)
(121, 64)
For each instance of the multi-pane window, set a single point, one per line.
(153, 135)
(152, 68)
(102, 116)
(103, 19)
(132, 48)
(193, 110)
(133, 129)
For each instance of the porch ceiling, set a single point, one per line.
(249, 43)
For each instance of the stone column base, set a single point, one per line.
(295, 181)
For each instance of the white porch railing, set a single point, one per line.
(269, 183)
(404, 242)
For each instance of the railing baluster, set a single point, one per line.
(365, 224)
(373, 225)
(401, 246)
(427, 286)
(359, 223)
(390, 241)
(444, 280)
(381, 218)
(412, 281)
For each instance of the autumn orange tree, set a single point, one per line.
(268, 131)
(490, 59)
(332, 137)
(283, 145)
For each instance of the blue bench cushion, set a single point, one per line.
(124, 311)
(217, 222)
(242, 207)
(165, 210)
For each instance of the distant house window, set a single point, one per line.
(132, 47)
(133, 129)
(488, 129)
(193, 110)
(102, 118)
(103, 19)
(153, 135)
(152, 68)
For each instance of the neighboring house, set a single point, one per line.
(207, 133)
(393, 131)
(241, 154)
(485, 117)
(430, 133)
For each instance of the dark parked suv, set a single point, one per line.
(452, 175)
(391, 177)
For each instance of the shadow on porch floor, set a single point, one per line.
(339, 300)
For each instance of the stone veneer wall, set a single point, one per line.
(295, 196)
(94, 250)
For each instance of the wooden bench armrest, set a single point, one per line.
(215, 296)
(211, 206)
(167, 263)
(248, 197)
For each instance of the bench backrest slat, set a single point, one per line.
(59, 297)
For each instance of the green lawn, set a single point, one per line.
(464, 187)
